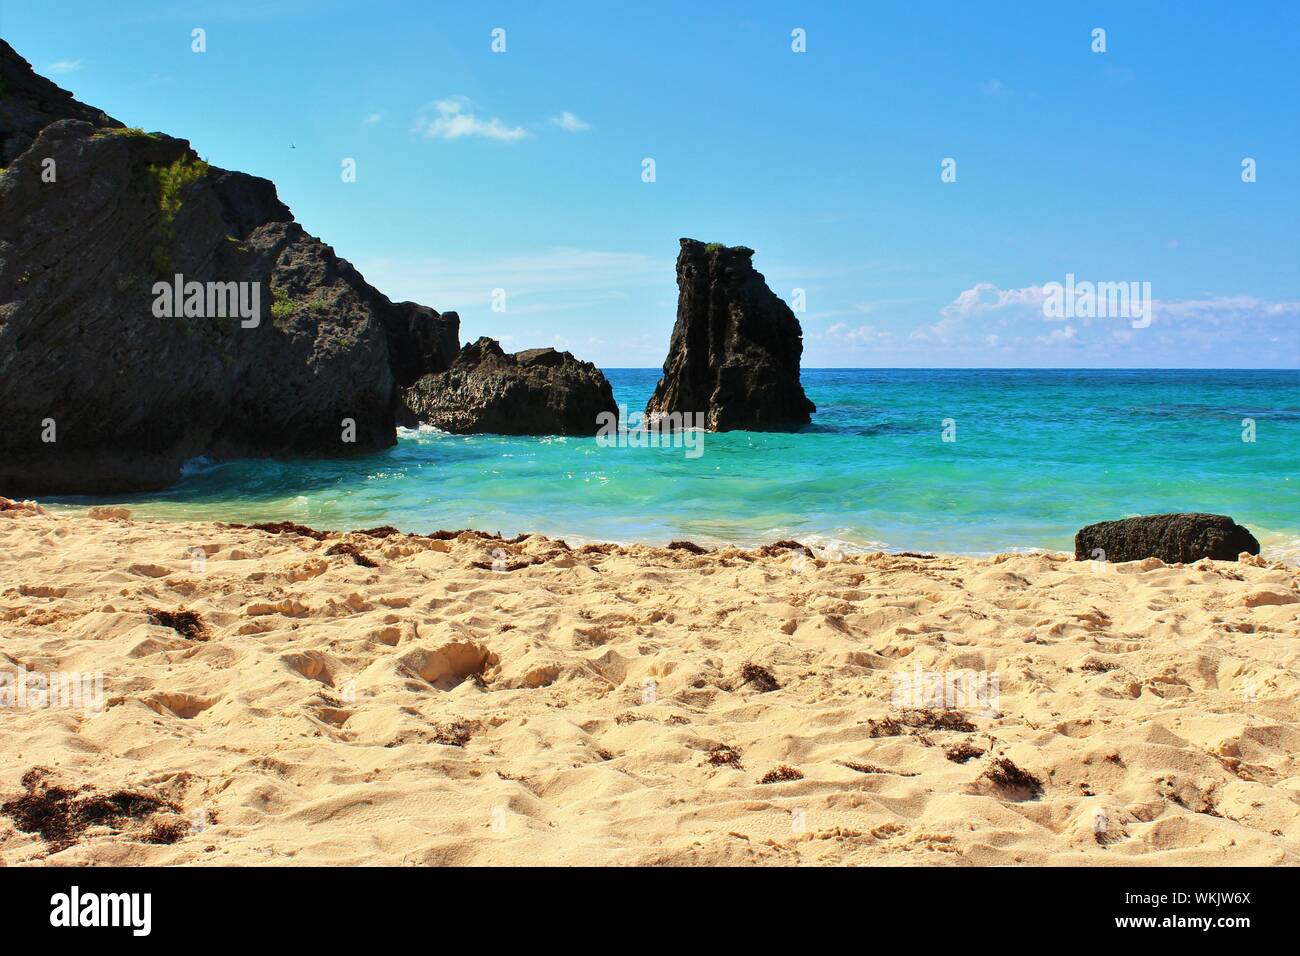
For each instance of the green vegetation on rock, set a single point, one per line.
(124, 131)
(282, 307)
(171, 180)
(720, 246)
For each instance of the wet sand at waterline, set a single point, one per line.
(475, 700)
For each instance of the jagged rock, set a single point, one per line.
(1173, 538)
(128, 396)
(534, 392)
(735, 349)
(29, 102)
(420, 340)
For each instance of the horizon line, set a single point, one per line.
(1002, 368)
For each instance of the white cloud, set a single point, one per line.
(64, 66)
(570, 123)
(373, 118)
(1059, 336)
(451, 119)
(984, 302)
(850, 335)
(993, 88)
(1229, 330)
(985, 297)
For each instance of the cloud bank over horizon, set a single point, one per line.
(983, 325)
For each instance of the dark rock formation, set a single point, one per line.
(420, 340)
(128, 396)
(1173, 538)
(734, 354)
(535, 392)
(29, 103)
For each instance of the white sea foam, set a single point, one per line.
(832, 548)
(1280, 547)
(196, 466)
(420, 431)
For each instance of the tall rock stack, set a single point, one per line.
(735, 349)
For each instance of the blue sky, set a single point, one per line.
(522, 170)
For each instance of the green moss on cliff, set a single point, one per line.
(124, 131)
(282, 307)
(171, 180)
(720, 246)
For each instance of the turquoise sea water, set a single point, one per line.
(1038, 453)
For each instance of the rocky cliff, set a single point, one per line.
(104, 389)
(735, 349)
(29, 103)
(534, 392)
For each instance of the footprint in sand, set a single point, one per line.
(184, 706)
(311, 665)
(450, 664)
(150, 570)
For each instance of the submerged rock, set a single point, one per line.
(534, 392)
(735, 349)
(1173, 538)
(101, 389)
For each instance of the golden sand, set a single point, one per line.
(476, 701)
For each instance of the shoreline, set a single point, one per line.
(456, 698)
(824, 546)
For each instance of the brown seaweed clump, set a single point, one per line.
(723, 755)
(781, 774)
(352, 551)
(690, 546)
(963, 752)
(187, 624)
(763, 679)
(453, 735)
(872, 768)
(283, 527)
(1006, 776)
(59, 815)
(928, 719)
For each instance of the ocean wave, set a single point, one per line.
(197, 466)
(832, 548)
(421, 431)
(1280, 548)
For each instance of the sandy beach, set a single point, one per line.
(469, 700)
